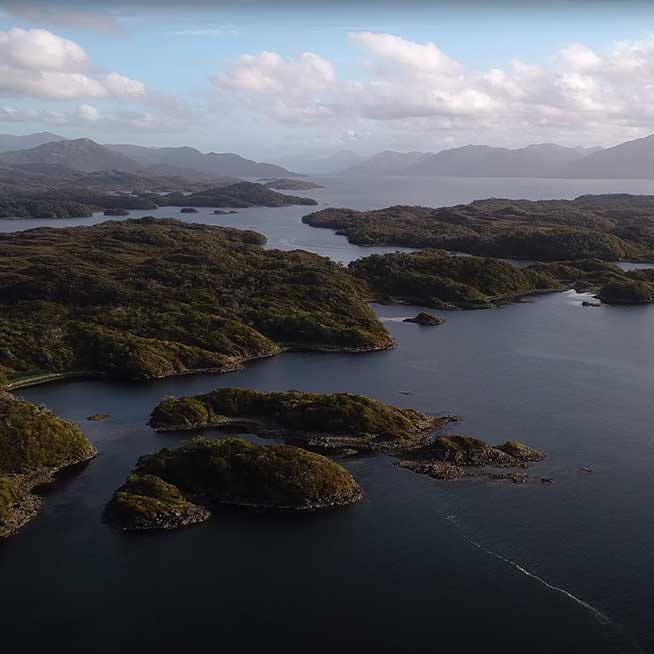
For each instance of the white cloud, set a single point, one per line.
(41, 64)
(409, 85)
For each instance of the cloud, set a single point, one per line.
(211, 32)
(42, 14)
(416, 86)
(38, 63)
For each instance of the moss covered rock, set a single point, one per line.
(146, 502)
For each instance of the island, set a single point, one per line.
(455, 456)
(425, 319)
(34, 446)
(239, 195)
(148, 298)
(324, 422)
(221, 212)
(608, 227)
(174, 487)
(283, 184)
(188, 210)
(434, 278)
(116, 212)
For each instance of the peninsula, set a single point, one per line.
(148, 298)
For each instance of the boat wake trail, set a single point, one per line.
(602, 617)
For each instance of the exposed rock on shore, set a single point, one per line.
(452, 457)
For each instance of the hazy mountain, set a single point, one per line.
(540, 160)
(77, 154)
(631, 160)
(328, 165)
(189, 161)
(387, 163)
(10, 142)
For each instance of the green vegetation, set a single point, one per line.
(147, 298)
(608, 227)
(433, 278)
(34, 444)
(147, 502)
(236, 471)
(43, 208)
(323, 419)
(164, 486)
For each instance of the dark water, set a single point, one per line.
(419, 565)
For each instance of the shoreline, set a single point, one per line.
(234, 365)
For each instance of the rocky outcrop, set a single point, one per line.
(426, 319)
(453, 457)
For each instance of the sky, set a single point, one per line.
(274, 80)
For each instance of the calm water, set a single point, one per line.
(419, 565)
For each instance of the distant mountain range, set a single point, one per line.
(190, 162)
(541, 160)
(629, 160)
(86, 155)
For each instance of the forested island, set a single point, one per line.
(34, 446)
(80, 201)
(434, 278)
(147, 298)
(177, 487)
(321, 421)
(609, 227)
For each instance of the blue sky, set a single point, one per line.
(366, 93)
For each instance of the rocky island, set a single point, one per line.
(148, 298)
(34, 446)
(608, 227)
(453, 457)
(425, 319)
(173, 487)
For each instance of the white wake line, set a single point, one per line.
(596, 612)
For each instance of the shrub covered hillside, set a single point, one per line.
(165, 488)
(148, 298)
(34, 444)
(608, 227)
